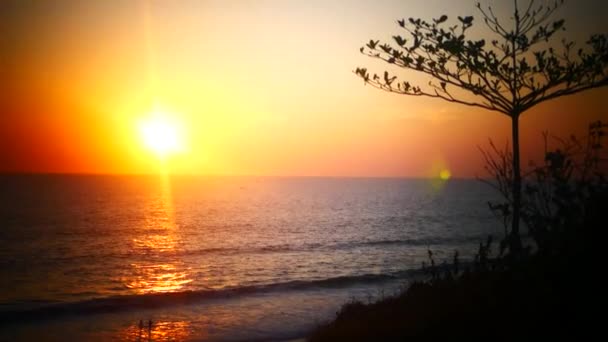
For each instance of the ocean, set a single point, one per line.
(138, 258)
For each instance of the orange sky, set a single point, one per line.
(262, 87)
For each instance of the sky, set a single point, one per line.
(258, 88)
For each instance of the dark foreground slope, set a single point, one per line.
(540, 296)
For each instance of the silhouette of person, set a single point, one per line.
(141, 328)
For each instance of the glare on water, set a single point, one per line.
(159, 239)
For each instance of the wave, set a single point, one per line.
(435, 241)
(285, 248)
(159, 300)
(310, 247)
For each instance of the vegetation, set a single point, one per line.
(547, 287)
(561, 194)
(545, 300)
(550, 291)
(511, 71)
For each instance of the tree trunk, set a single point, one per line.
(515, 240)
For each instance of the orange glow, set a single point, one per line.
(160, 235)
(158, 278)
(160, 331)
(262, 88)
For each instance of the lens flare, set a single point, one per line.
(445, 174)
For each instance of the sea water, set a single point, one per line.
(218, 258)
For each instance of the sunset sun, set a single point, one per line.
(162, 134)
(302, 170)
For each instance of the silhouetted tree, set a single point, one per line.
(516, 69)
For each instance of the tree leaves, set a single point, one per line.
(388, 80)
(400, 40)
(372, 44)
(466, 21)
(442, 19)
(499, 76)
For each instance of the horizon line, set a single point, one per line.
(92, 174)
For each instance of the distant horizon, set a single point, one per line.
(25, 173)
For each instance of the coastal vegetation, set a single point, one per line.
(549, 290)
(537, 282)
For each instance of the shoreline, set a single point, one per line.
(273, 315)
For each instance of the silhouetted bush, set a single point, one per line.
(564, 197)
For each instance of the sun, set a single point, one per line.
(162, 134)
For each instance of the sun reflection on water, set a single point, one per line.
(156, 331)
(158, 270)
(158, 278)
(155, 243)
